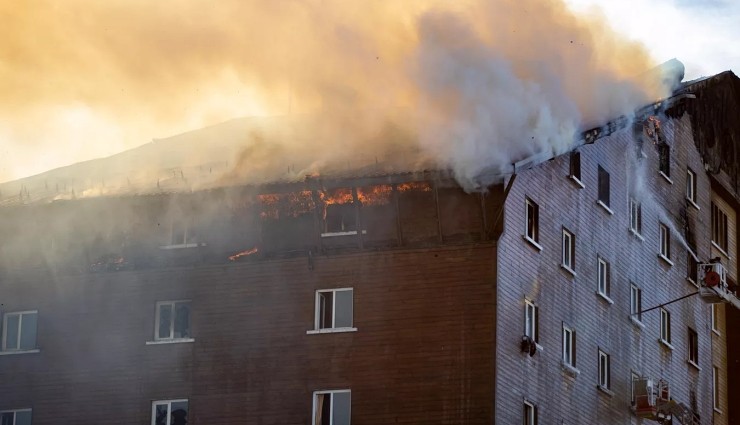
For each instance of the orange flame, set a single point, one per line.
(243, 254)
(292, 204)
(375, 195)
(420, 186)
(337, 196)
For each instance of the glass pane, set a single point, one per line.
(6, 418)
(11, 331)
(182, 320)
(341, 408)
(160, 414)
(343, 309)
(23, 418)
(165, 318)
(179, 413)
(28, 331)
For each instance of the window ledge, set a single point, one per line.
(182, 246)
(721, 251)
(637, 235)
(12, 352)
(691, 201)
(668, 179)
(716, 332)
(717, 410)
(568, 269)
(347, 233)
(330, 331)
(570, 370)
(665, 343)
(666, 259)
(605, 207)
(637, 323)
(691, 281)
(605, 390)
(171, 341)
(577, 181)
(605, 297)
(532, 242)
(696, 366)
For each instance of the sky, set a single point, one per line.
(81, 79)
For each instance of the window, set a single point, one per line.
(332, 407)
(19, 331)
(693, 347)
(715, 387)
(531, 321)
(533, 218)
(334, 309)
(603, 186)
(170, 412)
(636, 303)
(15, 417)
(693, 268)
(569, 346)
(569, 250)
(173, 320)
(665, 326)
(530, 413)
(635, 216)
(575, 166)
(604, 370)
(664, 153)
(633, 378)
(665, 242)
(719, 227)
(713, 312)
(604, 277)
(691, 186)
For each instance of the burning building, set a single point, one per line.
(383, 294)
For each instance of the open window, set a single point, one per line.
(339, 212)
(332, 407)
(333, 310)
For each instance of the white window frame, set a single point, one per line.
(665, 326)
(529, 413)
(635, 303)
(169, 408)
(715, 389)
(665, 243)
(568, 258)
(530, 320)
(634, 377)
(535, 211)
(20, 328)
(317, 312)
(15, 413)
(719, 224)
(691, 187)
(603, 274)
(331, 392)
(604, 370)
(693, 347)
(569, 339)
(635, 217)
(713, 318)
(172, 322)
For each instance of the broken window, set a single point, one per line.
(665, 326)
(531, 321)
(719, 227)
(693, 346)
(664, 154)
(569, 346)
(19, 330)
(170, 412)
(604, 370)
(530, 413)
(635, 216)
(15, 417)
(340, 214)
(635, 302)
(332, 407)
(604, 277)
(691, 186)
(173, 320)
(665, 242)
(532, 221)
(603, 186)
(575, 165)
(334, 309)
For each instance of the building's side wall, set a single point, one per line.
(526, 272)
(422, 352)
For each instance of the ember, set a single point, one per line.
(243, 254)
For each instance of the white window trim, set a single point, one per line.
(607, 386)
(664, 241)
(726, 230)
(317, 312)
(568, 359)
(15, 413)
(715, 390)
(527, 203)
(577, 181)
(662, 339)
(533, 409)
(721, 251)
(604, 206)
(3, 347)
(313, 402)
(691, 187)
(668, 179)
(535, 313)
(532, 242)
(636, 316)
(713, 319)
(169, 407)
(601, 262)
(571, 250)
(637, 233)
(171, 339)
(347, 233)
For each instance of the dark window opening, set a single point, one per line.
(719, 227)
(575, 165)
(533, 212)
(693, 346)
(664, 154)
(603, 186)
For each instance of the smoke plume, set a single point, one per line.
(472, 86)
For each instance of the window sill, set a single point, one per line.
(691, 281)
(171, 341)
(665, 343)
(605, 207)
(666, 259)
(696, 366)
(570, 370)
(716, 332)
(347, 233)
(691, 201)
(668, 179)
(637, 323)
(577, 181)
(12, 352)
(330, 331)
(605, 297)
(532, 242)
(568, 269)
(182, 246)
(721, 251)
(605, 390)
(637, 235)
(717, 410)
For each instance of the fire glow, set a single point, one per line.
(246, 253)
